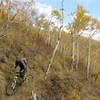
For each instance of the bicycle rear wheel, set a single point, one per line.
(29, 78)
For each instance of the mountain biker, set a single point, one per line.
(22, 64)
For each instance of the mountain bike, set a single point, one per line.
(15, 82)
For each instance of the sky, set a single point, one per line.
(92, 6)
(45, 7)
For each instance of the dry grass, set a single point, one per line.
(60, 82)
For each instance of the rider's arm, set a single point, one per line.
(24, 60)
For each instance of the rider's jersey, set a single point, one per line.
(22, 63)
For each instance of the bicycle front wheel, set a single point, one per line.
(11, 88)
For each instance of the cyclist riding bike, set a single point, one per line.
(22, 64)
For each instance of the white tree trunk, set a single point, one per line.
(73, 51)
(89, 57)
(54, 52)
(77, 55)
(58, 42)
(51, 61)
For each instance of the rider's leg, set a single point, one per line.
(22, 74)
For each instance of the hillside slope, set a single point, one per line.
(60, 83)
